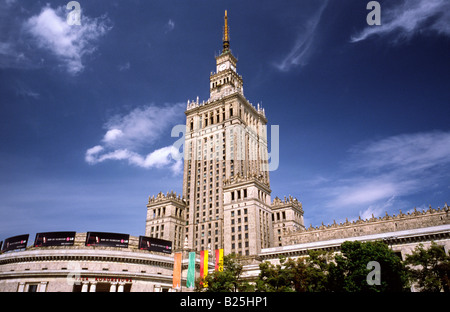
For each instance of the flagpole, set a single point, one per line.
(185, 247)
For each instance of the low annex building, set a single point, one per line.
(81, 268)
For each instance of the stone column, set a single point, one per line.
(43, 287)
(85, 286)
(93, 287)
(113, 287)
(21, 287)
(121, 287)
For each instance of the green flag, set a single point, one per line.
(190, 282)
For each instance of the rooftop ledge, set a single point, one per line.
(337, 242)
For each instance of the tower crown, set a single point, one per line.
(225, 80)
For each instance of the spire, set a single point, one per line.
(226, 36)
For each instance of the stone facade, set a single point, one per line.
(411, 220)
(247, 216)
(165, 218)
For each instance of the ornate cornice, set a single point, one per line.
(77, 254)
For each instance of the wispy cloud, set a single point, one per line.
(25, 91)
(170, 26)
(378, 209)
(124, 67)
(12, 56)
(380, 173)
(303, 47)
(127, 135)
(12, 50)
(69, 43)
(409, 18)
(406, 154)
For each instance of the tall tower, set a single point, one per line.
(226, 166)
(226, 191)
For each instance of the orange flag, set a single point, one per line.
(177, 270)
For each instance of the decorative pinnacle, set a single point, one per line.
(226, 36)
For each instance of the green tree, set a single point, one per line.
(430, 268)
(229, 280)
(274, 277)
(350, 271)
(302, 274)
(309, 274)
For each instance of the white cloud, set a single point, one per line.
(302, 49)
(141, 126)
(69, 43)
(112, 135)
(164, 157)
(137, 130)
(409, 18)
(91, 153)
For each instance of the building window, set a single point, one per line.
(32, 287)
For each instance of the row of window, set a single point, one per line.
(161, 212)
(211, 117)
(206, 234)
(238, 194)
(218, 115)
(266, 228)
(220, 82)
(239, 232)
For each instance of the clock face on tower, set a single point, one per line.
(222, 66)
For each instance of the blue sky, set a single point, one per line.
(363, 111)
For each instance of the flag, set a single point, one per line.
(190, 282)
(203, 265)
(176, 283)
(219, 260)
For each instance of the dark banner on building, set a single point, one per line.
(15, 242)
(155, 244)
(54, 239)
(107, 239)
